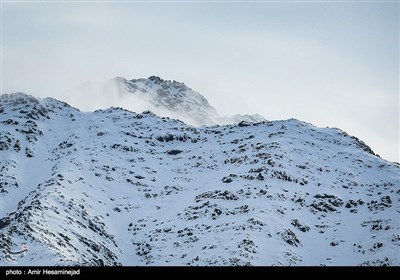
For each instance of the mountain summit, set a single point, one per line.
(113, 187)
(170, 99)
(163, 97)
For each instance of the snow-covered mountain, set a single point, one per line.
(163, 97)
(113, 187)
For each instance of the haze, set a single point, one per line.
(328, 63)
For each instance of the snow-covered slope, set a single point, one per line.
(163, 97)
(113, 187)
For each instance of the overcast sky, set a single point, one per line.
(330, 64)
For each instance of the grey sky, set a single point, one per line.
(330, 64)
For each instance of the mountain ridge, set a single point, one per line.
(113, 187)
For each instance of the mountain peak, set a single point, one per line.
(156, 79)
(173, 99)
(18, 97)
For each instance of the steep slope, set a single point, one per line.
(163, 97)
(113, 187)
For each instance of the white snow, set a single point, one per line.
(116, 187)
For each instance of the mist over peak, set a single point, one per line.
(166, 98)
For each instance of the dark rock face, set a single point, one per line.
(300, 226)
(174, 152)
(289, 237)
